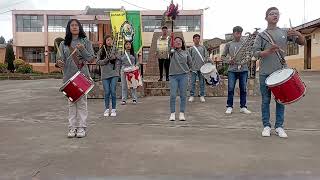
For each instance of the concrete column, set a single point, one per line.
(14, 30)
(46, 48)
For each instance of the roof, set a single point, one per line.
(99, 11)
(308, 27)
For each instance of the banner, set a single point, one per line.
(117, 19)
(134, 18)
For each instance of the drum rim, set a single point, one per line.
(279, 83)
(206, 65)
(69, 80)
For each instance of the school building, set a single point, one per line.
(34, 31)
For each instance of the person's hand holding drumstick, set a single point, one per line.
(59, 62)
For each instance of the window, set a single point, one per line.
(58, 23)
(150, 23)
(145, 54)
(29, 23)
(91, 31)
(292, 49)
(188, 23)
(33, 54)
(216, 51)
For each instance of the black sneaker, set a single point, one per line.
(167, 79)
(134, 101)
(160, 79)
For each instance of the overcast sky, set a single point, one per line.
(219, 19)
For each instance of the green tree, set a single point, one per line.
(2, 40)
(10, 57)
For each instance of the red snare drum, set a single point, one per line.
(76, 87)
(286, 86)
(133, 76)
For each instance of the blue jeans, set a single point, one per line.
(265, 105)
(124, 88)
(232, 79)
(180, 82)
(194, 76)
(109, 86)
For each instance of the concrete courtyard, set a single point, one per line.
(140, 143)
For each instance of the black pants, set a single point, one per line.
(166, 64)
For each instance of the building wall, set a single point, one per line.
(30, 39)
(2, 54)
(297, 61)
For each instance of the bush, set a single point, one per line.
(17, 63)
(25, 69)
(37, 72)
(55, 72)
(3, 68)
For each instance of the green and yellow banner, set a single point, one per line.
(117, 19)
(134, 18)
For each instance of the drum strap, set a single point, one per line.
(281, 58)
(128, 58)
(198, 53)
(75, 58)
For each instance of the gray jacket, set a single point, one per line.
(85, 55)
(196, 59)
(230, 50)
(109, 68)
(180, 62)
(271, 63)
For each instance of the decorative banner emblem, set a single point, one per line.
(127, 31)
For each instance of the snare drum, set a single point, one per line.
(210, 73)
(76, 87)
(133, 77)
(286, 86)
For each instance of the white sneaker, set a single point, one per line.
(172, 117)
(266, 132)
(181, 116)
(281, 133)
(113, 113)
(229, 110)
(106, 113)
(72, 132)
(202, 99)
(191, 99)
(81, 132)
(245, 111)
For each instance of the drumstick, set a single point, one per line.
(75, 49)
(290, 23)
(58, 50)
(271, 43)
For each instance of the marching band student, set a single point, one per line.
(269, 47)
(236, 72)
(180, 66)
(162, 53)
(110, 72)
(199, 57)
(128, 59)
(75, 51)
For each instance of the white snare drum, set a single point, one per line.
(210, 73)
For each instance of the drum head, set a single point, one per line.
(279, 76)
(207, 68)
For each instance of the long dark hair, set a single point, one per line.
(131, 50)
(183, 47)
(103, 52)
(68, 37)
